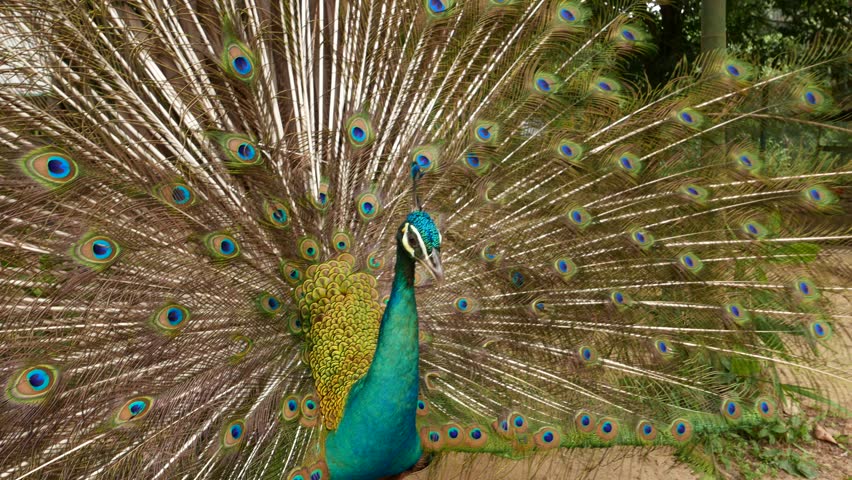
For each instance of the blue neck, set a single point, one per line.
(377, 436)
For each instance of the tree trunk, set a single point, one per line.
(713, 38)
(713, 25)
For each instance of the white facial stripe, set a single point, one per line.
(420, 241)
(405, 244)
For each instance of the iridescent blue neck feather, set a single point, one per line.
(377, 435)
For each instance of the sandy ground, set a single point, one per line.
(605, 463)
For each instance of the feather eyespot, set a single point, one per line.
(642, 238)
(587, 355)
(453, 434)
(51, 168)
(569, 14)
(517, 278)
(134, 410)
(547, 438)
(466, 305)
(322, 199)
(426, 157)
(608, 87)
(476, 162)
(755, 229)
(431, 438)
(813, 99)
(360, 131)
(298, 474)
(765, 408)
(691, 262)
(32, 384)
(579, 217)
(737, 313)
(681, 430)
(171, 317)
(584, 421)
(472, 160)
(539, 307)
(269, 304)
(310, 406)
(628, 162)
(222, 246)
(291, 272)
(628, 36)
(375, 261)
(569, 150)
(565, 267)
(318, 471)
(695, 193)
(277, 214)
(177, 194)
(621, 300)
(730, 409)
(736, 70)
(746, 160)
(546, 83)
(341, 242)
(240, 61)
(422, 407)
(291, 408)
(805, 289)
(233, 434)
(646, 431)
(96, 251)
(294, 323)
(476, 436)
(518, 423)
(483, 133)
(439, 7)
(607, 429)
(489, 254)
(309, 249)
(241, 151)
(820, 330)
(368, 205)
(663, 348)
(819, 196)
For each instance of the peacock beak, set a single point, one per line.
(433, 264)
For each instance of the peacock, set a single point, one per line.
(318, 240)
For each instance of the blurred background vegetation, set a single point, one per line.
(768, 33)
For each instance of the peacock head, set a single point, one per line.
(422, 240)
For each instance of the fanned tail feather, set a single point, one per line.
(624, 265)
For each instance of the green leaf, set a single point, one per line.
(787, 467)
(806, 469)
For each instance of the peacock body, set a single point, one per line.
(214, 227)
